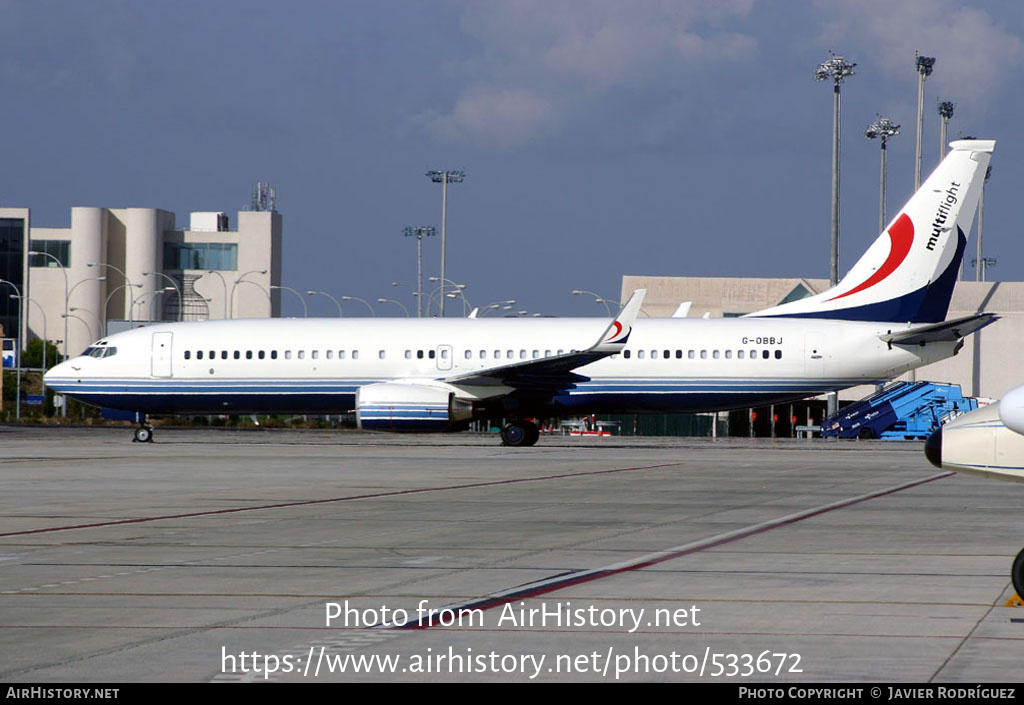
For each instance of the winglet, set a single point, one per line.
(615, 336)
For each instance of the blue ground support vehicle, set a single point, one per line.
(903, 411)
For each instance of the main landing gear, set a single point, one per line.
(519, 434)
(144, 433)
(1017, 574)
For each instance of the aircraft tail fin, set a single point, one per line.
(908, 273)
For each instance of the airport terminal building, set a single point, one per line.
(117, 267)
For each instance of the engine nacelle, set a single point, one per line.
(392, 406)
(1011, 410)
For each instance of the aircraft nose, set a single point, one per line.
(933, 448)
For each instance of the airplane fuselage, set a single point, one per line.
(318, 365)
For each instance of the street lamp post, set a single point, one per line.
(837, 68)
(367, 303)
(106, 303)
(444, 178)
(982, 262)
(419, 232)
(131, 307)
(597, 298)
(883, 129)
(45, 339)
(397, 303)
(231, 309)
(63, 271)
(17, 352)
(181, 301)
(305, 311)
(223, 284)
(332, 298)
(924, 65)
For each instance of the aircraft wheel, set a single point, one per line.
(143, 434)
(520, 434)
(866, 433)
(1017, 573)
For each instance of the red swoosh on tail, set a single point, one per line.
(901, 236)
(618, 331)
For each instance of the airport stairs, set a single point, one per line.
(904, 410)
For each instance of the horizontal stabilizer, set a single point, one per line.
(947, 331)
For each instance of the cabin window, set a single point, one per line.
(419, 354)
(287, 354)
(778, 354)
(302, 354)
(753, 354)
(739, 354)
(483, 354)
(329, 354)
(714, 354)
(444, 353)
(355, 354)
(765, 354)
(431, 354)
(238, 355)
(728, 354)
(199, 354)
(560, 351)
(626, 354)
(547, 353)
(691, 354)
(497, 354)
(469, 354)
(536, 354)
(341, 354)
(188, 354)
(248, 354)
(666, 354)
(510, 354)
(654, 354)
(262, 354)
(703, 354)
(380, 354)
(273, 354)
(641, 353)
(314, 354)
(522, 354)
(679, 354)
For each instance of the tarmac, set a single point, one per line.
(340, 556)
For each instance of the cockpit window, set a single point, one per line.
(95, 351)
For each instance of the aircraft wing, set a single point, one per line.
(948, 331)
(555, 373)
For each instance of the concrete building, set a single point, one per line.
(119, 267)
(987, 366)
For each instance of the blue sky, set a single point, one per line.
(599, 138)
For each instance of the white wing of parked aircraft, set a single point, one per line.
(988, 442)
(886, 316)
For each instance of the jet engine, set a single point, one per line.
(393, 406)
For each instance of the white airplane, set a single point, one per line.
(885, 317)
(989, 442)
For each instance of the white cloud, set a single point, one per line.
(540, 61)
(972, 48)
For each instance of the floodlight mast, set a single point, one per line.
(837, 68)
(419, 232)
(882, 129)
(455, 176)
(924, 65)
(945, 112)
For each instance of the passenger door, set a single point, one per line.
(161, 356)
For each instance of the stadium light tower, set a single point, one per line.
(419, 232)
(924, 65)
(837, 68)
(945, 112)
(883, 129)
(444, 178)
